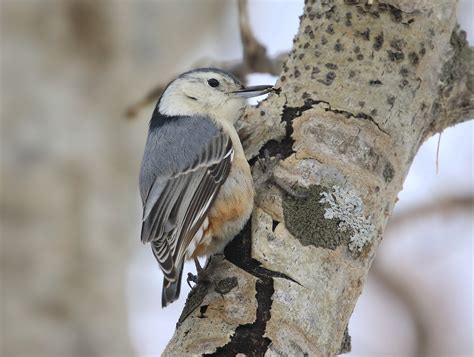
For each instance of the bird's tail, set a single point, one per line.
(171, 290)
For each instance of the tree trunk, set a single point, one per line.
(363, 87)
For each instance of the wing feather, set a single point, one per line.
(178, 190)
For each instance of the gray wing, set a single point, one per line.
(186, 161)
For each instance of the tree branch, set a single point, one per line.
(356, 98)
(255, 59)
(444, 205)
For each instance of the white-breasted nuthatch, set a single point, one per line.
(195, 182)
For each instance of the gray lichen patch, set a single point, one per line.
(305, 219)
(346, 207)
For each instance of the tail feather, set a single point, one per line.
(171, 290)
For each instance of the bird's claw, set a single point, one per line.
(200, 278)
(191, 279)
(267, 164)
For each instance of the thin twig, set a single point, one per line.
(255, 59)
(437, 153)
(440, 206)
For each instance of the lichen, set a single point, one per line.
(346, 206)
(304, 219)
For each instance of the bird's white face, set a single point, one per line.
(207, 92)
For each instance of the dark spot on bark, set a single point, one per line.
(351, 2)
(391, 100)
(373, 112)
(307, 29)
(311, 35)
(331, 65)
(397, 44)
(388, 172)
(378, 41)
(338, 47)
(306, 45)
(360, 57)
(307, 67)
(202, 311)
(329, 79)
(329, 13)
(283, 78)
(315, 71)
(324, 40)
(301, 56)
(395, 56)
(306, 95)
(396, 14)
(374, 14)
(297, 73)
(361, 104)
(330, 29)
(375, 82)
(365, 34)
(348, 21)
(414, 59)
(350, 59)
(317, 53)
(226, 285)
(311, 16)
(304, 219)
(404, 72)
(262, 112)
(356, 49)
(422, 50)
(403, 83)
(352, 74)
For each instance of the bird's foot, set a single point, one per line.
(200, 277)
(267, 164)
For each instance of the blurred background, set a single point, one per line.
(75, 279)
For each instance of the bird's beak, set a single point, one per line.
(253, 91)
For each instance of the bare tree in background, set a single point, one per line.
(363, 87)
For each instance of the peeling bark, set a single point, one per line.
(362, 88)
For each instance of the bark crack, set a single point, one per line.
(284, 148)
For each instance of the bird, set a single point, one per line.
(195, 182)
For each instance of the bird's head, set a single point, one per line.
(207, 91)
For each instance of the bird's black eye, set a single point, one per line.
(213, 82)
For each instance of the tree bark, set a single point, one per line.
(362, 88)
